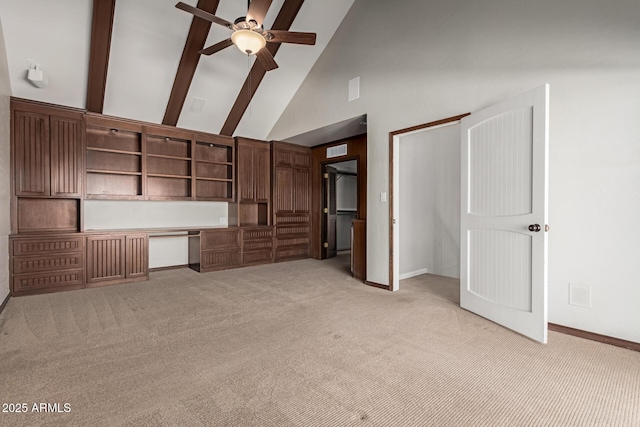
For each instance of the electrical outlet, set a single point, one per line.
(580, 295)
(223, 220)
(383, 197)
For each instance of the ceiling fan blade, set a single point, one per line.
(204, 15)
(266, 59)
(257, 10)
(281, 36)
(216, 47)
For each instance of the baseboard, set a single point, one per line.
(411, 274)
(629, 345)
(169, 267)
(4, 303)
(376, 285)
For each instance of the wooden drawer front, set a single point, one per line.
(291, 253)
(291, 230)
(292, 219)
(47, 263)
(220, 239)
(47, 245)
(257, 233)
(292, 241)
(261, 257)
(219, 259)
(258, 245)
(27, 282)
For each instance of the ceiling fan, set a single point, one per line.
(249, 35)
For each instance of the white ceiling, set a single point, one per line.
(146, 46)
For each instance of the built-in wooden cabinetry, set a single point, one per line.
(291, 200)
(215, 250)
(62, 156)
(46, 263)
(116, 258)
(131, 160)
(47, 150)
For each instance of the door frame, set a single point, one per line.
(356, 150)
(394, 146)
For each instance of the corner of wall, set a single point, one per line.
(5, 168)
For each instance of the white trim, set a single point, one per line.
(411, 274)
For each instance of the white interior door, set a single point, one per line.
(503, 246)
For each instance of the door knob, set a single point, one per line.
(534, 227)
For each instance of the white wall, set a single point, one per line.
(5, 169)
(420, 61)
(429, 196)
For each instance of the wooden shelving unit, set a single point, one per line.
(214, 169)
(114, 159)
(169, 161)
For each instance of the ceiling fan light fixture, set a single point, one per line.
(248, 41)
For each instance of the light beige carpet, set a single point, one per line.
(297, 344)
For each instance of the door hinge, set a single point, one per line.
(325, 210)
(326, 244)
(326, 175)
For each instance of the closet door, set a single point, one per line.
(31, 151)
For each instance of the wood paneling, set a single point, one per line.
(137, 256)
(283, 192)
(101, 26)
(219, 259)
(196, 39)
(356, 150)
(105, 258)
(31, 154)
(283, 21)
(358, 254)
(220, 238)
(46, 264)
(302, 190)
(37, 215)
(66, 157)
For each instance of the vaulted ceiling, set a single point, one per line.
(149, 69)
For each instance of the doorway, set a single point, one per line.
(346, 161)
(431, 207)
(341, 206)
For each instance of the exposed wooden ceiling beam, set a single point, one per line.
(189, 62)
(101, 27)
(283, 21)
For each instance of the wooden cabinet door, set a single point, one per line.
(284, 190)
(31, 148)
(137, 255)
(246, 174)
(105, 258)
(262, 174)
(302, 191)
(66, 157)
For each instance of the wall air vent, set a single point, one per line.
(337, 151)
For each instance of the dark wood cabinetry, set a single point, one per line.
(215, 250)
(257, 245)
(291, 200)
(46, 264)
(254, 182)
(116, 258)
(47, 150)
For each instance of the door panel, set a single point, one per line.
(66, 157)
(331, 214)
(31, 145)
(137, 256)
(262, 174)
(283, 189)
(302, 191)
(245, 174)
(504, 190)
